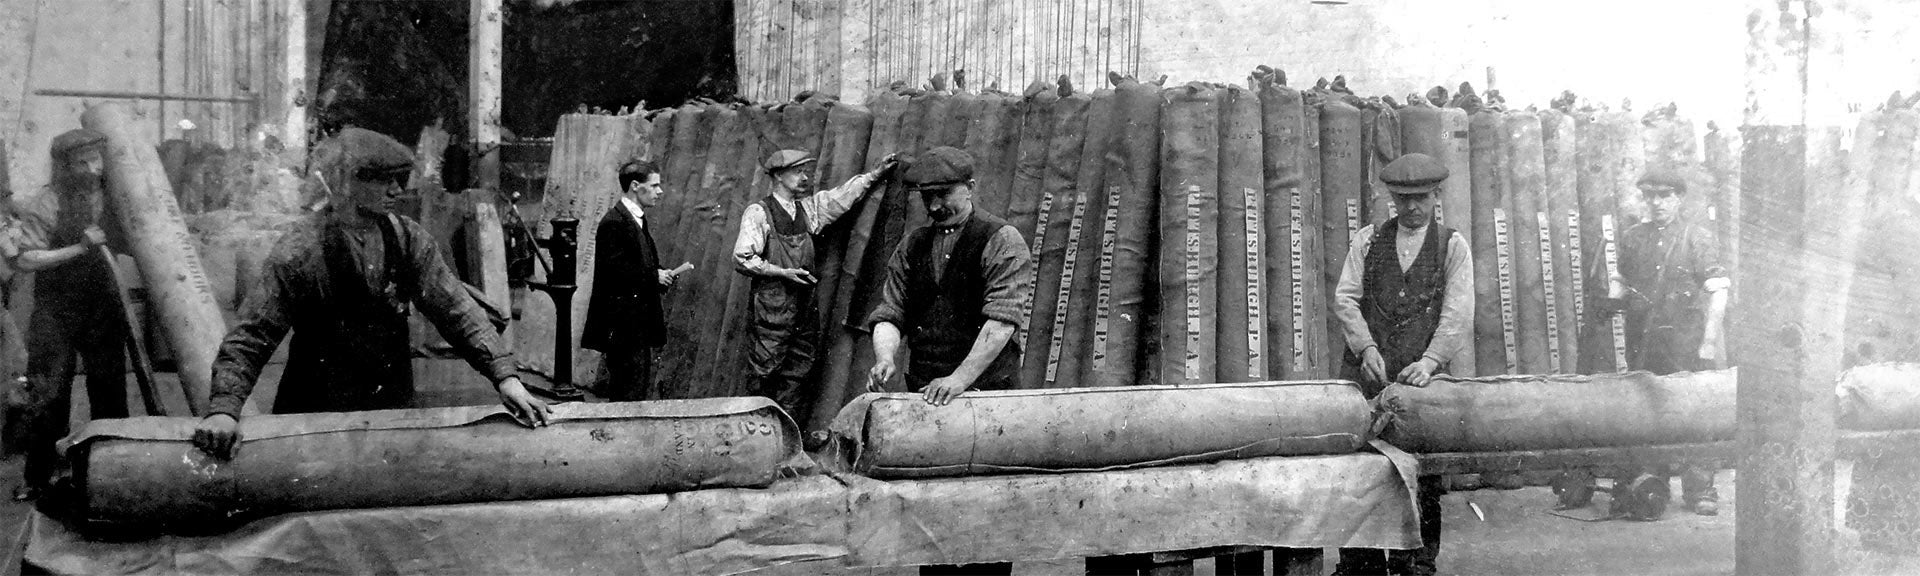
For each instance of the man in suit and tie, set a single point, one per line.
(624, 319)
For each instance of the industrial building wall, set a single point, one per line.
(1689, 53)
(229, 48)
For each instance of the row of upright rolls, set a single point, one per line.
(1181, 234)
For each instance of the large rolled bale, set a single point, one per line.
(1494, 345)
(1531, 261)
(1879, 397)
(1322, 353)
(849, 127)
(1600, 160)
(1382, 142)
(1242, 311)
(993, 139)
(1189, 233)
(1080, 344)
(176, 280)
(1515, 413)
(1342, 214)
(146, 471)
(876, 230)
(1057, 234)
(1107, 428)
(1565, 294)
(1883, 311)
(1282, 126)
(1133, 173)
(1030, 160)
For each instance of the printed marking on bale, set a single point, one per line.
(1104, 301)
(1193, 284)
(1573, 263)
(1296, 263)
(1504, 253)
(1060, 307)
(1613, 268)
(1256, 254)
(1039, 240)
(1552, 293)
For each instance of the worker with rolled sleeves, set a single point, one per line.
(77, 315)
(343, 282)
(1405, 304)
(954, 289)
(775, 248)
(1672, 289)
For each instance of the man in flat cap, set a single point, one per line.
(343, 281)
(1672, 289)
(1405, 302)
(954, 289)
(76, 313)
(775, 248)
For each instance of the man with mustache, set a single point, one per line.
(954, 289)
(775, 248)
(76, 315)
(1405, 301)
(343, 281)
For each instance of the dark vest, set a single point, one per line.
(87, 279)
(943, 318)
(360, 322)
(1402, 309)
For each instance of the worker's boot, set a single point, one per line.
(1574, 489)
(1643, 498)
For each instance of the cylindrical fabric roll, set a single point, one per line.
(1133, 177)
(1514, 413)
(1061, 209)
(849, 128)
(659, 148)
(1381, 140)
(1492, 315)
(1317, 309)
(1883, 396)
(1242, 312)
(877, 228)
(1531, 252)
(1108, 428)
(995, 146)
(1080, 339)
(1282, 132)
(1341, 183)
(1565, 296)
(1442, 134)
(1030, 164)
(1598, 158)
(694, 130)
(146, 471)
(963, 116)
(1189, 232)
(169, 264)
(1632, 207)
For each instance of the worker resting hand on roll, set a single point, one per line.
(954, 289)
(775, 248)
(343, 281)
(1405, 303)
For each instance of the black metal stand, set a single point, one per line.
(563, 246)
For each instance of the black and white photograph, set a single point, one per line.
(960, 287)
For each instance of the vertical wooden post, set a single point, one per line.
(484, 36)
(293, 94)
(1797, 245)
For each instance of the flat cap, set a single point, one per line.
(1414, 169)
(73, 140)
(940, 166)
(785, 159)
(1662, 180)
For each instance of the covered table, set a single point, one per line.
(1354, 500)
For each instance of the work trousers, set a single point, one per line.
(630, 375)
(789, 382)
(62, 332)
(1422, 561)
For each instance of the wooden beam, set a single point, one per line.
(293, 93)
(1797, 243)
(484, 38)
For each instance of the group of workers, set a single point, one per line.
(346, 279)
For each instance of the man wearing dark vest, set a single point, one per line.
(954, 290)
(76, 313)
(775, 248)
(624, 320)
(1405, 302)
